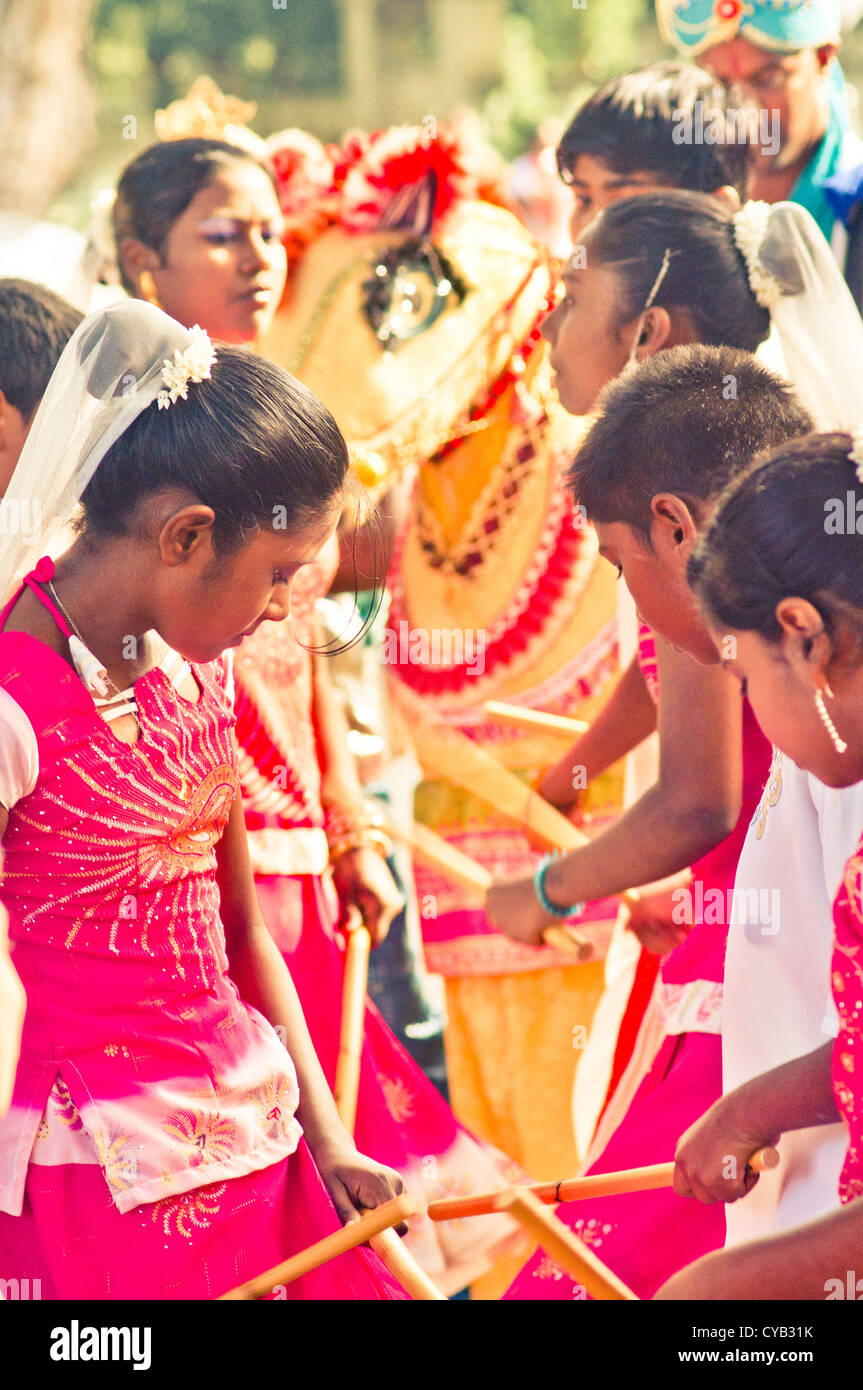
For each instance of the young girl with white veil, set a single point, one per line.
(162, 1141)
(202, 216)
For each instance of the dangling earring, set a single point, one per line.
(147, 287)
(838, 743)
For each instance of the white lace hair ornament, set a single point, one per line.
(816, 338)
(750, 230)
(117, 363)
(193, 364)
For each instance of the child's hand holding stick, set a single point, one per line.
(712, 1156)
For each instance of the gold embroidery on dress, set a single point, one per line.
(399, 1098)
(211, 1137)
(120, 1168)
(770, 795)
(179, 1215)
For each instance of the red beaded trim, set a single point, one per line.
(548, 591)
(512, 372)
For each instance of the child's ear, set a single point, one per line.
(135, 258)
(187, 534)
(674, 528)
(805, 643)
(655, 331)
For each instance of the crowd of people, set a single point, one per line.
(342, 403)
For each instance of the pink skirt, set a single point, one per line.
(401, 1120)
(644, 1237)
(197, 1245)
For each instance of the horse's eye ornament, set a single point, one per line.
(409, 289)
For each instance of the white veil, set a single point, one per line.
(793, 273)
(110, 370)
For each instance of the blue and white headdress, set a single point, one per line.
(780, 26)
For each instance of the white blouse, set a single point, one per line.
(19, 754)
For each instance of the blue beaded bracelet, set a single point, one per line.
(545, 902)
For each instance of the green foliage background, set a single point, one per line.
(287, 55)
(553, 52)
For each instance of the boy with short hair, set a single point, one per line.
(621, 141)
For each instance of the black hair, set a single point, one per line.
(791, 525)
(706, 274)
(35, 326)
(252, 442)
(685, 422)
(157, 187)
(630, 124)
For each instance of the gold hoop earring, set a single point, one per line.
(832, 733)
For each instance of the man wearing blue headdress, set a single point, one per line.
(781, 54)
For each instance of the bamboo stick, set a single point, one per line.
(370, 1225)
(459, 867)
(505, 713)
(566, 939)
(563, 1247)
(403, 1267)
(452, 862)
(353, 1020)
(576, 1189)
(445, 752)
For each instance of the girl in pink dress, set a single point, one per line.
(162, 1141)
(197, 224)
(781, 573)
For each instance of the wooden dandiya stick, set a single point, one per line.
(564, 1248)
(359, 944)
(402, 1266)
(370, 1226)
(447, 753)
(459, 867)
(435, 850)
(504, 713)
(654, 1176)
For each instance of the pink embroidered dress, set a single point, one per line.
(847, 980)
(646, 1237)
(401, 1119)
(150, 1101)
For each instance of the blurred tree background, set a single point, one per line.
(324, 65)
(328, 64)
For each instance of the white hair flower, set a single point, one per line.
(750, 229)
(194, 364)
(855, 453)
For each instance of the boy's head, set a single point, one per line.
(626, 139)
(668, 439)
(35, 326)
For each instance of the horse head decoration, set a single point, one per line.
(413, 310)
